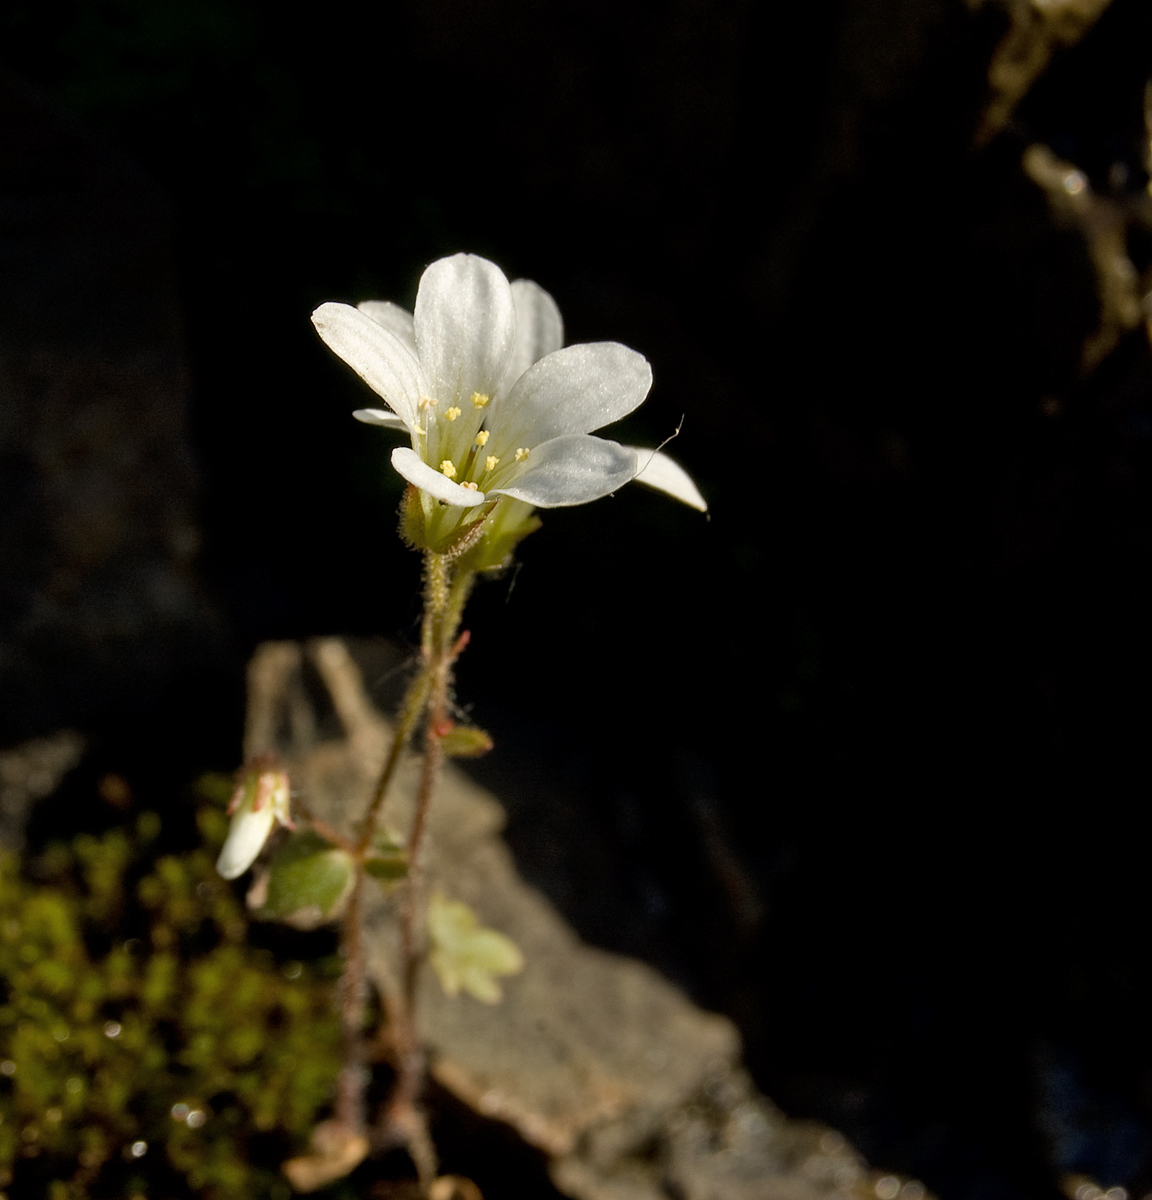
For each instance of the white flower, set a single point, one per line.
(260, 799)
(493, 405)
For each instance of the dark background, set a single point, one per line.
(862, 759)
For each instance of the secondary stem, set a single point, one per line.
(351, 1083)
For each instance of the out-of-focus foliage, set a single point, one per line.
(465, 954)
(308, 881)
(144, 1044)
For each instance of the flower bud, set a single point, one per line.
(260, 800)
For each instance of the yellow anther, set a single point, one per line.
(490, 462)
(479, 400)
(447, 468)
(482, 437)
(521, 454)
(426, 402)
(450, 414)
(470, 486)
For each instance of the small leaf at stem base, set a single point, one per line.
(465, 741)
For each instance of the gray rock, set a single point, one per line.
(595, 1059)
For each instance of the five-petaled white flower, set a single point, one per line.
(494, 406)
(260, 800)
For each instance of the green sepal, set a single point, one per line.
(463, 538)
(308, 882)
(412, 523)
(465, 741)
(495, 551)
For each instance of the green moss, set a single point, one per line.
(134, 1011)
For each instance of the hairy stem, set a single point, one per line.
(444, 602)
(414, 700)
(353, 1077)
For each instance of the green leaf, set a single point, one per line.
(465, 741)
(307, 883)
(388, 868)
(465, 955)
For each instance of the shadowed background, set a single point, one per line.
(862, 759)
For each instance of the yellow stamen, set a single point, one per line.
(490, 462)
(470, 486)
(450, 414)
(426, 402)
(482, 437)
(521, 454)
(479, 400)
(447, 468)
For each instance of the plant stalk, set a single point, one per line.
(427, 697)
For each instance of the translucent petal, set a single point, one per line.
(662, 473)
(379, 416)
(395, 319)
(572, 469)
(575, 390)
(429, 480)
(376, 355)
(539, 329)
(246, 837)
(465, 324)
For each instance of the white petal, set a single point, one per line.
(429, 480)
(575, 390)
(572, 469)
(379, 416)
(246, 837)
(377, 356)
(662, 473)
(539, 329)
(395, 319)
(465, 324)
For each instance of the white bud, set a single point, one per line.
(260, 800)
